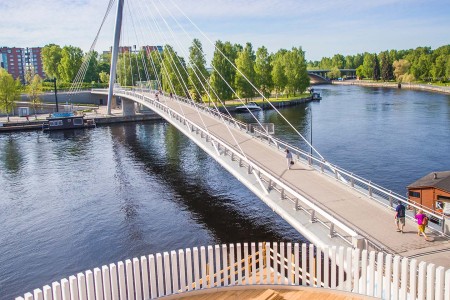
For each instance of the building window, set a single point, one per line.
(414, 194)
(439, 197)
(78, 121)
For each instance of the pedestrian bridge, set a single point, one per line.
(328, 205)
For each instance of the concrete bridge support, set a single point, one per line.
(128, 107)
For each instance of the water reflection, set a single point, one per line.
(11, 155)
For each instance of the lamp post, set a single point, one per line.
(311, 126)
(56, 94)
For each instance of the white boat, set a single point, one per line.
(251, 106)
(316, 96)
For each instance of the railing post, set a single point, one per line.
(336, 174)
(331, 234)
(296, 207)
(390, 198)
(313, 217)
(370, 189)
(282, 194)
(358, 242)
(249, 169)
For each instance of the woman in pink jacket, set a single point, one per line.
(420, 217)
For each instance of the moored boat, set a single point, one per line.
(316, 96)
(251, 106)
(66, 120)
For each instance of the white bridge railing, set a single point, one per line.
(171, 273)
(372, 190)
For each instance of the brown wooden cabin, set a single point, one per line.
(432, 191)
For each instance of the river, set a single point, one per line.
(75, 200)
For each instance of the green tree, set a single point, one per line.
(92, 69)
(51, 55)
(9, 92)
(174, 73)
(34, 90)
(386, 66)
(295, 70)
(360, 72)
(439, 67)
(349, 62)
(326, 63)
(124, 76)
(223, 70)
(71, 59)
(376, 68)
(338, 61)
(368, 65)
(263, 71)
(401, 68)
(245, 62)
(334, 73)
(421, 67)
(197, 70)
(278, 71)
(103, 76)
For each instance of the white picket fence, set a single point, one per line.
(345, 269)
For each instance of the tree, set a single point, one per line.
(245, 62)
(71, 59)
(386, 66)
(92, 69)
(278, 74)
(338, 61)
(51, 56)
(334, 73)
(198, 74)
(439, 66)
(295, 70)
(401, 68)
(263, 70)
(104, 77)
(9, 92)
(174, 73)
(376, 68)
(360, 72)
(34, 90)
(223, 70)
(422, 67)
(349, 62)
(368, 65)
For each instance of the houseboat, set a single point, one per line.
(66, 120)
(432, 191)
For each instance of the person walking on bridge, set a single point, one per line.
(400, 216)
(289, 159)
(422, 222)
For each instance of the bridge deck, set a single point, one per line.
(373, 219)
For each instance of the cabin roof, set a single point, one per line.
(442, 181)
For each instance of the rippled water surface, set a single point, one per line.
(75, 200)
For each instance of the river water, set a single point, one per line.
(75, 200)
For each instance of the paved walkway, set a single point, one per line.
(360, 212)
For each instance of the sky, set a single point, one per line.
(320, 27)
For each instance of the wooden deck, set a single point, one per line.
(272, 293)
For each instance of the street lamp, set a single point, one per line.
(56, 96)
(310, 124)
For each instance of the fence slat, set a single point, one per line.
(203, 266)
(114, 282)
(160, 274)
(189, 269)
(232, 261)
(56, 290)
(210, 281)
(326, 268)
(421, 280)
(348, 269)
(268, 265)
(311, 265)
(440, 273)
(90, 288)
(196, 268)
(246, 266)
(371, 274)
(152, 274)
(431, 273)
(304, 261)
(447, 285)
(379, 277)
(387, 277)
(333, 267)
(65, 290)
(253, 251)
(341, 278)
(37, 294)
(129, 277)
(356, 270)
(396, 277)
(289, 263)
(261, 262)
(404, 279)
(297, 263)
(225, 264)
(47, 291)
(82, 286)
(137, 278)
(122, 280)
(318, 267)
(167, 275)
(181, 263)
(174, 264)
(28, 296)
(145, 282)
(106, 283)
(98, 284)
(282, 263)
(216, 274)
(73, 286)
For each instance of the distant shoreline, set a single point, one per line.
(409, 86)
